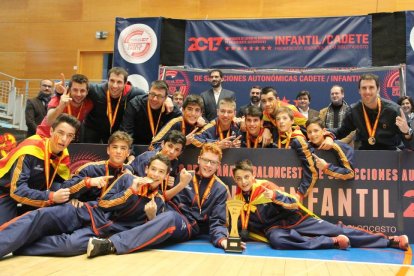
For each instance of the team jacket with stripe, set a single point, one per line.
(142, 160)
(280, 211)
(77, 184)
(344, 154)
(26, 182)
(174, 124)
(211, 217)
(209, 133)
(120, 208)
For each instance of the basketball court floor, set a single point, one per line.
(198, 257)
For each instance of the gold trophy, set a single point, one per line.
(234, 242)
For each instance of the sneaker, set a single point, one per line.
(400, 242)
(99, 247)
(341, 242)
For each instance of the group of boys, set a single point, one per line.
(111, 207)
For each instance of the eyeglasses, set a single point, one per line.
(47, 86)
(212, 162)
(153, 95)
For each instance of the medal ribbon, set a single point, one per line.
(256, 141)
(70, 110)
(206, 192)
(47, 165)
(111, 117)
(151, 119)
(285, 141)
(372, 129)
(220, 132)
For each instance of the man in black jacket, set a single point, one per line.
(36, 108)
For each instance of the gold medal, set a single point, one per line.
(371, 141)
(372, 129)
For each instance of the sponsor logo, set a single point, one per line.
(178, 81)
(391, 86)
(137, 43)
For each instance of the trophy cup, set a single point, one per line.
(234, 242)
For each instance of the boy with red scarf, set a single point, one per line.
(277, 218)
(29, 174)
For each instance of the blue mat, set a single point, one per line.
(367, 255)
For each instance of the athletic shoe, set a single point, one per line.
(341, 242)
(400, 242)
(99, 247)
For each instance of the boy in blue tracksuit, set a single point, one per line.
(198, 209)
(291, 137)
(223, 130)
(172, 147)
(89, 183)
(188, 124)
(278, 218)
(343, 152)
(31, 173)
(253, 137)
(128, 202)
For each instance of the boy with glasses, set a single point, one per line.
(200, 208)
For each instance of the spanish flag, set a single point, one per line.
(35, 146)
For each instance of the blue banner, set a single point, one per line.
(410, 52)
(137, 49)
(287, 83)
(279, 43)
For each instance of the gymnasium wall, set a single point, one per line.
(41, 38)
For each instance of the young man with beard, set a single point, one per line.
(212, 97)
(128, 202)
(253, 136)
(200, 208)
(279, 219)
(381, 123)
(188, 123)
(254, 101)
(223, 130)
(110, 100)
(146, 115)
(30, 174)
(73, 101)
(36, 108)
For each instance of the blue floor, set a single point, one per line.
(368, 255)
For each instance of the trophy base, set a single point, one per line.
(234, 245)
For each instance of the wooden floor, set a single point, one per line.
(154, 262)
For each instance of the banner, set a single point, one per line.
(380, 199)
(279, 43)
(410, 52)
(287, 83)
(137, 49)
